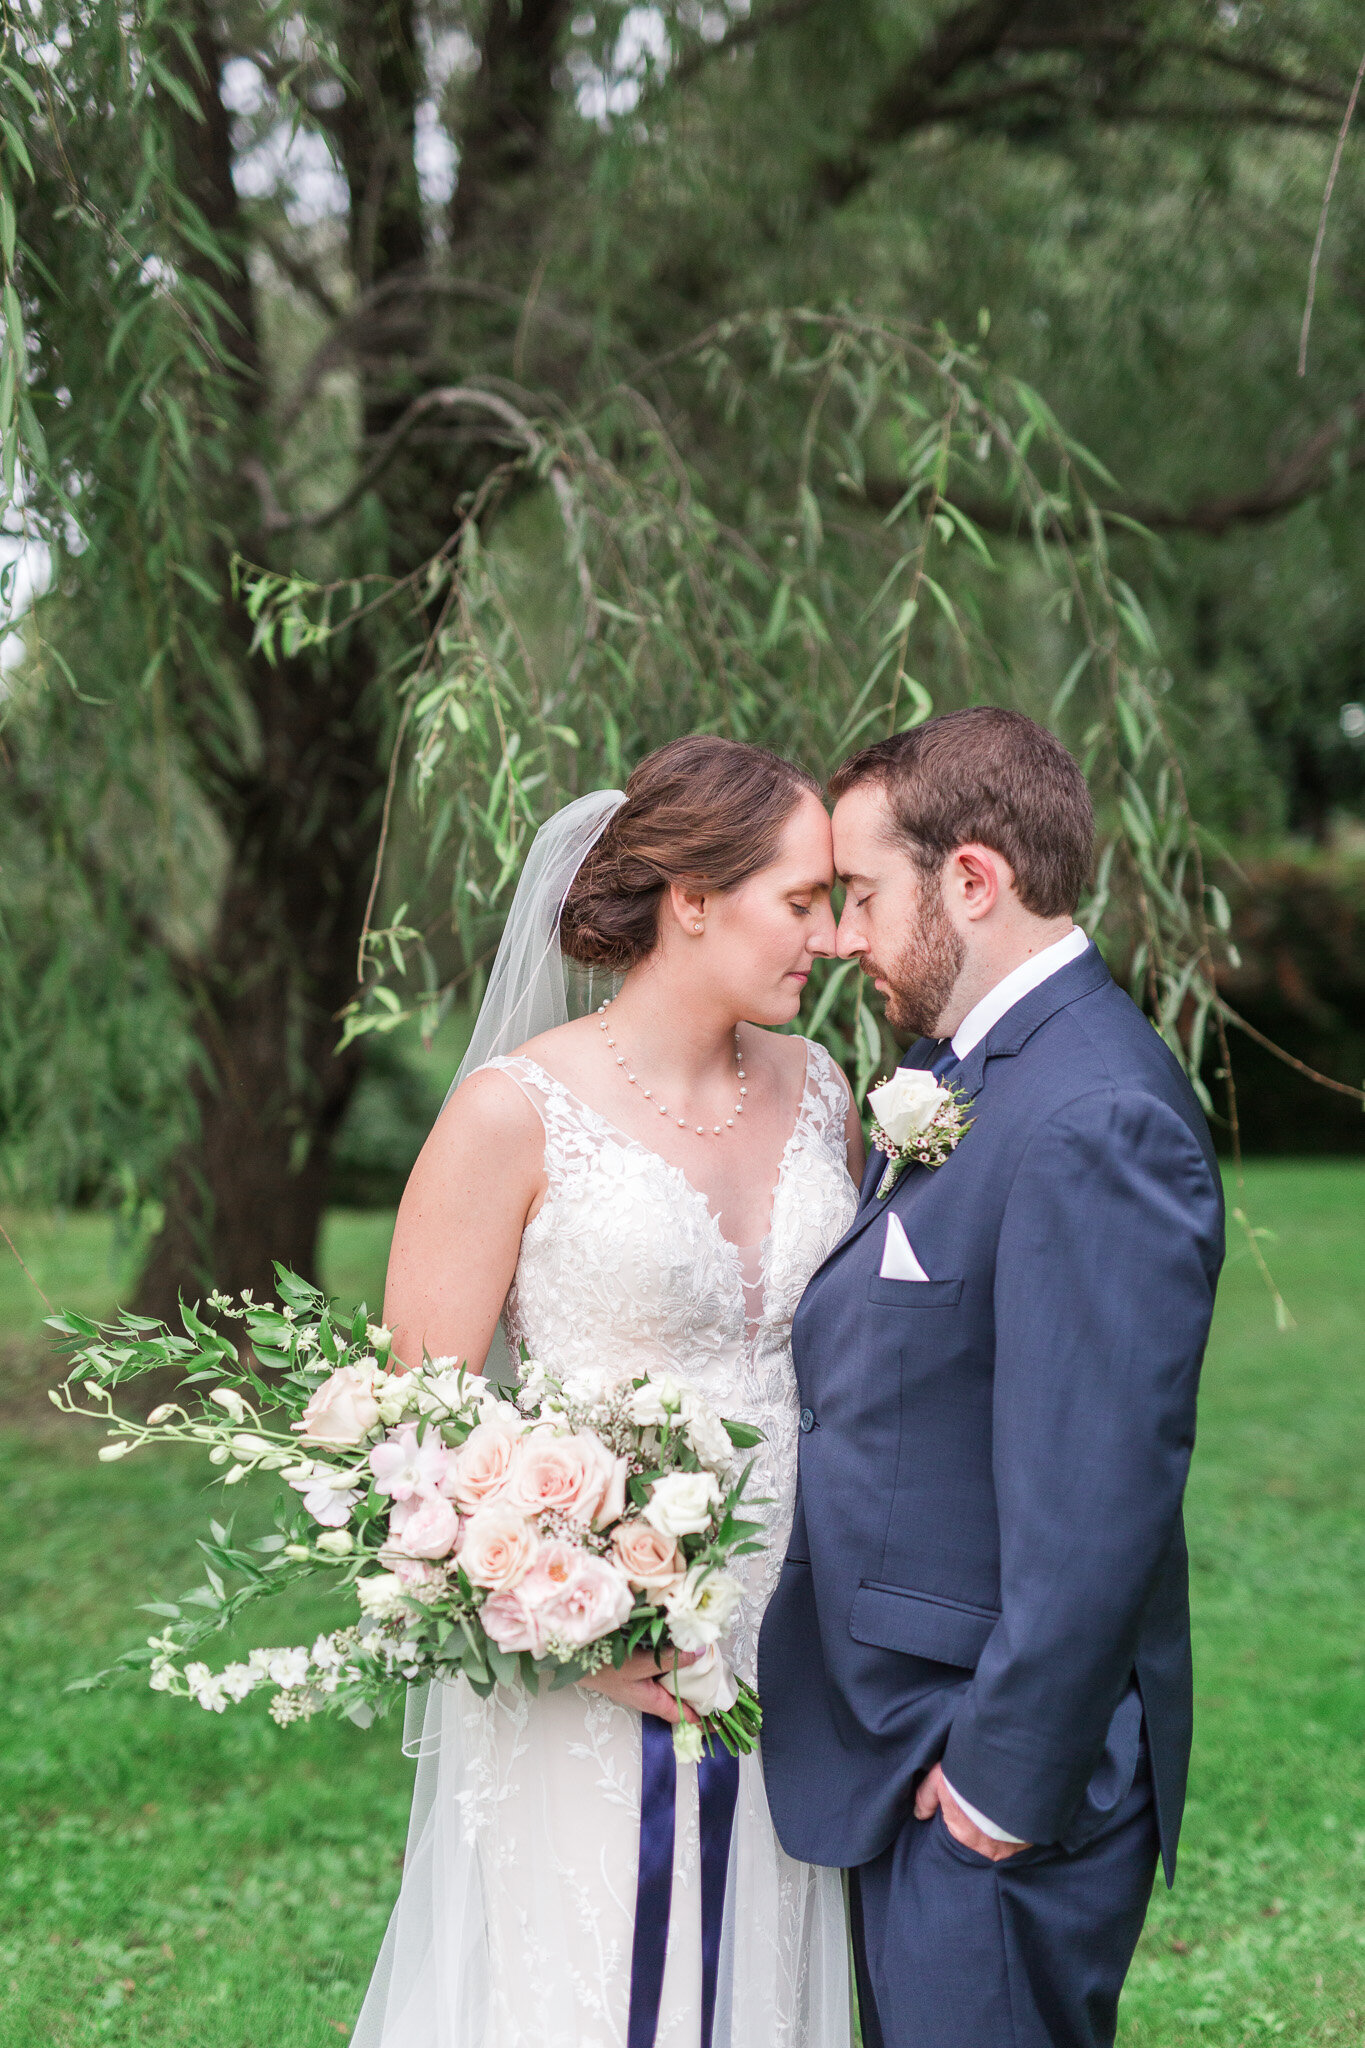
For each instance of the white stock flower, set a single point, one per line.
(534, 1382)
(205, 1688)
(237, 1681)
(907, 1104)
(707, 1433)
(682, 1503)
(325, 1656)
(397, 1397)
(380, 1596)
(162, 1677)
(700, 1610)
(288, 1668)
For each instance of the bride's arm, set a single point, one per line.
(477, 1180)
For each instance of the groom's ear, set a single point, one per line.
(975, 879)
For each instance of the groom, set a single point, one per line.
(976, 1668)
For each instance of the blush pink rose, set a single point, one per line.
(573, 1597)
(497, 1547)
(651, 1561)
(423, 1526)
(510, 1624)
(343, 1410)
(481, 1467)
(574, 1475)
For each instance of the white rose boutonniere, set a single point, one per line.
(915, 1118)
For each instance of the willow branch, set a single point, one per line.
(451, 398)
(1302, 476)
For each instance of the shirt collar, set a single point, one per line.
(1028, 975)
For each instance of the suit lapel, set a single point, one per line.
(1078, 978)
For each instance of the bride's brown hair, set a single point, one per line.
(702, 810)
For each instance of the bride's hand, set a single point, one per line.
(637, 1685)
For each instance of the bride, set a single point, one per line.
(645, 1188)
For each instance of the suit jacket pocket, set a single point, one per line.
(915, 1293)
(921, 1624)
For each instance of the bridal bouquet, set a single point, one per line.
(506, 1540)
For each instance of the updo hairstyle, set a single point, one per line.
(705, 811)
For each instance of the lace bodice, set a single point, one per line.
(625, 1269)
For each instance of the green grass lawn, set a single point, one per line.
(174, 1877)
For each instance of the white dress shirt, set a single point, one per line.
(1019, 982)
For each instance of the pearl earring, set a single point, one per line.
(696, 927)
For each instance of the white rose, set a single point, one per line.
(907, 1104)
(708, 1685)
(681, 1503)
(699, 1611)
(343, 1410)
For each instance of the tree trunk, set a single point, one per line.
(270, 1087)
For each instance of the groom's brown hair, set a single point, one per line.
(994, 777)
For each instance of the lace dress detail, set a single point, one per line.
(527, 1826)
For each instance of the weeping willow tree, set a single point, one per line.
(390, 502)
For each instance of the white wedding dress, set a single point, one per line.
(514, 1925)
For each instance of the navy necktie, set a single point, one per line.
(943, 1059)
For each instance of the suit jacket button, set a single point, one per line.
(807, 1420)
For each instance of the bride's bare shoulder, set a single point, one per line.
(782, 1054)
(568, 1053)
(487, 1109)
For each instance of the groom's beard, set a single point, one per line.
(921, 981)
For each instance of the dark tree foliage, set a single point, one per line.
(404, 398)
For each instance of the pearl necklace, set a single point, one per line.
(662, 1107)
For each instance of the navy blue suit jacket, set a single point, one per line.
(987, 1563)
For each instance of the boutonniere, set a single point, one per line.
(915, 1118)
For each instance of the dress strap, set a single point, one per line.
(828, 1098)
(573, 1131)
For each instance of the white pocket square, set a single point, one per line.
(898, 1258)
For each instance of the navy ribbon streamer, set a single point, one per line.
(717, 1792)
